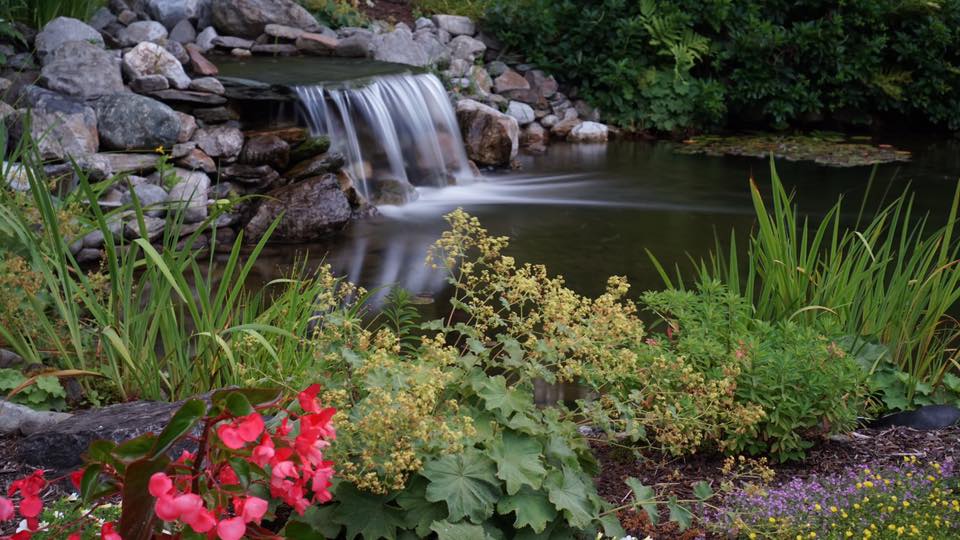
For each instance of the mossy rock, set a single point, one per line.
(824, 148)
(313, 146)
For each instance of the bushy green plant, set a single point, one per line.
(781, 63)
(43, 393)
(336, 13)
(891, 279)
(475, 9)
(37, 13)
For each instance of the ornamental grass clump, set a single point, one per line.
(911, 500)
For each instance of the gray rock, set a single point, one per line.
(522, 112)
(131, 121)
(178, 51)
(399, 47)
(153, 227)
(101, 19)
(549, 120)
(317, 165)
(444, 36)
(276, 49)
(497, 68)
(60, 446)
(249, 18)
(80, 69)
(97, 166)
(126, 162)
(467, 48)
(10, 359)
(89, 256)
(190, 194)
(171, 12)
(199, 63)
(180, 150)
(189, 97)
(455, 25)
(319, 44)
(205, 39)
(241, 53)
(534, 136)
(151, 198)
(183, 32)
(231, 42)
(149, 83)
(260, 176)
(152, 59)
(62, 126)
(266, 149)
(62, 30)
(19, 419)
(589, 132)
(510, 81)
(355, 46)
(188, 126)
(392, 192)
(126, 17)
(311, 209)
(437, 53)
(563, 128)
(481, 79)
(283, 32)
(209, 85)
(424, 23)
(458, 68)
(141, 31)
(215, 115)
(219, 141)
(197, 160)
(491, 137)
(14, 176)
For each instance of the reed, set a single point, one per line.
(892, 278)
(158, 322)
(37, 13)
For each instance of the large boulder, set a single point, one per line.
(311, 209)
(249, 18)
(399, 47)
(79, 68)
(467, 48)
(60, 31)
(62, 126)
(491, 137)
(152, 59)
(170, 12)
(131, 121)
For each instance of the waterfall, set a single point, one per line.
(395, 131)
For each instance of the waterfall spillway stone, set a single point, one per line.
(396, 132)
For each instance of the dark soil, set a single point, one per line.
(674, 476)
(392, 11)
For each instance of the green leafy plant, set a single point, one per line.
(891, 279)
(43, 393)
(475, 9)
(336, 13)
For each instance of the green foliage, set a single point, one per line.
(37, 13)
(335, 13)
(63, 514)
(474, 9)
(891, 279)
(781, 63)
(45, 393)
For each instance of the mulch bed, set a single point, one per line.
(885, 447)
(390, 11)
(676, 475)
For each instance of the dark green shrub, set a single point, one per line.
(780, 63)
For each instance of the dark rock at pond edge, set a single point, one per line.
(323, 163)
(311, 209)
(268, 149)
(189, 96)
(928, 417)
(311, 147)
(60, 446)
(128, 121)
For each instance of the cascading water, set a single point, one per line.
(395, 131)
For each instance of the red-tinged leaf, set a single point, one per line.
(137, 518)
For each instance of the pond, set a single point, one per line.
(591, 211)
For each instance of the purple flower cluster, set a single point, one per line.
(862, 502)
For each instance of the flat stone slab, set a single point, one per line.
(188, 96)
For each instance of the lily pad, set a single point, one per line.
(824, 148)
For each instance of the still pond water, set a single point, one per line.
(591, 211)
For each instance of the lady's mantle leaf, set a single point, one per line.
(467, 482)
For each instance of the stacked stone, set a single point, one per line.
(135, 104)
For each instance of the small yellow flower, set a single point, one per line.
(833, 509)
(817, 507)
(159, 149)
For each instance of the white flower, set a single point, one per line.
(22, 526)
(73, 497)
